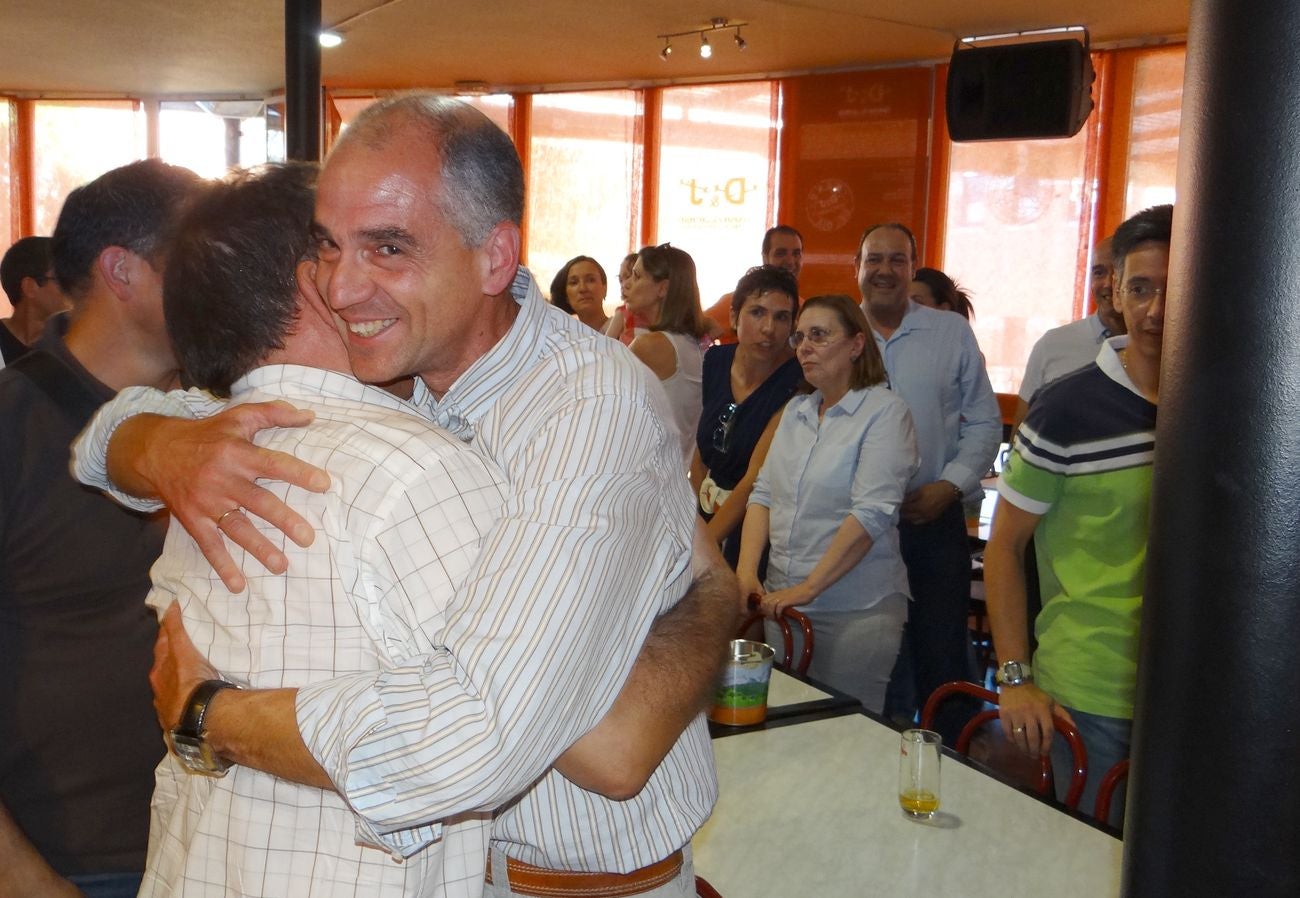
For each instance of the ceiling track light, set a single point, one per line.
(706, 49)
(329, 39)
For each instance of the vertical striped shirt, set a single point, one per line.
(549, 622)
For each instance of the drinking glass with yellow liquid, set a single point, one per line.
(918, 773)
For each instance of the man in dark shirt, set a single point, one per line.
(27, 276)
(78, 736)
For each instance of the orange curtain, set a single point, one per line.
(856, 153)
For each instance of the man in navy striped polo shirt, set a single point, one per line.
(1079, 482)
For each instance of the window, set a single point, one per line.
(584, 186)
(1153, 134)
(1017, 239)
(210, 137)
(717, 147)
(76, 142)
(8, 204)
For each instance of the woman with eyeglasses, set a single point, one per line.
(746, 384)
(827, 498)
(664, 292)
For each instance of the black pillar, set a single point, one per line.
(302, 79)
(1214, 802)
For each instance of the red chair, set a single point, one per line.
(788, 615)
(1065, 730)
(704, 890)
(1106, 789)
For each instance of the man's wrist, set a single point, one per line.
(1013, 673)
(219, 713)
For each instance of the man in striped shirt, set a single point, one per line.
(417, 231)
(1079, 482)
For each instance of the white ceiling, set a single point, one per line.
(235, 47)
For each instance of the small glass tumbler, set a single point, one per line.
(918, 773)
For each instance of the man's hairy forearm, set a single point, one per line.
(258, 728)
(687, 644)
(672, 681)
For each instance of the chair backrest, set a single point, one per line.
(1078, 776)
(1106, 789)
(787, 636)
(704, 890)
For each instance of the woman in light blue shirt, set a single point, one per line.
(827, 498)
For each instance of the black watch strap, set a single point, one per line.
(196, 707)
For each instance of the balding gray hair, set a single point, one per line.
(482, 178)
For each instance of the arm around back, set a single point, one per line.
(542, 635)
(674, 677)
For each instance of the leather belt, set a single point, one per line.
(525, 879)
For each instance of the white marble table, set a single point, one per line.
(786, 690)
(811, 809)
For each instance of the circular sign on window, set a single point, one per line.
(829, 205)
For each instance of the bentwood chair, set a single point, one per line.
(1065, 730)
(1106, 789)
(704, 890)
(787, 616)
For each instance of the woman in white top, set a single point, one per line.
(827, 498)
(663, 291)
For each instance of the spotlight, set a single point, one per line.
(330, 39)
(717, 26)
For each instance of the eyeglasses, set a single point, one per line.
(817, 336)
(722, 433)
(44, 279)
(1143, 292)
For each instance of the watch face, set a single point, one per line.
(197, 755)
(1013, 673)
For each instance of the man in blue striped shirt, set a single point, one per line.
(935, 364)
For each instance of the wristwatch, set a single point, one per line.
(188, 737)
(1014, 673)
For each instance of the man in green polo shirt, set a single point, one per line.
(1079, 482)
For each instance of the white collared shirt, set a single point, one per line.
(1062, 350)
(397, 532)
(594, 543)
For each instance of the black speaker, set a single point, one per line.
(1018, 91)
